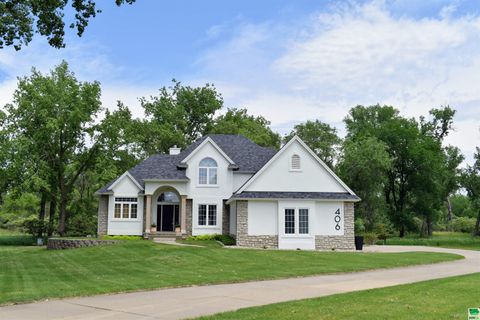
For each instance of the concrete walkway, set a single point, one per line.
(203, 300)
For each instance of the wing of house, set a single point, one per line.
(227, 184)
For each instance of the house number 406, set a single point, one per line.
(337, 219)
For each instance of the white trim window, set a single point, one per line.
(207, 214)
(207, 172)
(125, 208)
(289, 221)
(294, 215)
(295, 163)
(303, 221)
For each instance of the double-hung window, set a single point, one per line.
(125, 208)
(207, 215)
(296, 221)
(207, 172)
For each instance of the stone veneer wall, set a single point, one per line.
(225, 218)
(59, 244)
(243, 239)
(188, 218)
(345, 242)
(102, 222)
(144, 227)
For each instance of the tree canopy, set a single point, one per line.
(21, 19)
(58, 145)
(320, 137)
(238, 121)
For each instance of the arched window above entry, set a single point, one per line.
(295, 163)
(207, 172)
(168, 196)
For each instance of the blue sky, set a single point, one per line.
(287, 60)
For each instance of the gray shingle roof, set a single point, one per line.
(295, 195)
(247, 155)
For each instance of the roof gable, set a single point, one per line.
(313, 176)
(242, 154)
(208, 140)
(126, 176)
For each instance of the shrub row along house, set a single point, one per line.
(226, 184)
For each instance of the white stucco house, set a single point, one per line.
(286, 199)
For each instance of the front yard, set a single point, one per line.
(441, 299)
(32, 273)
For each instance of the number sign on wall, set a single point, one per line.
(337, 218)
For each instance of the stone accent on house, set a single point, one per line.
(243, 239)
(225, 218)
(189, 217)
(345, 242)
(144, 220)
(59, 244)
(102, 222)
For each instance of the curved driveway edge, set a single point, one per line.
(188, 302)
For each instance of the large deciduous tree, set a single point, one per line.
(21, 19)
(363, 166)
(422, 172)
(471, 182)
(238, 121)
(178, 115)
(320, 137)
(54, 118)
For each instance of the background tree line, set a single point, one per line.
(58, 145)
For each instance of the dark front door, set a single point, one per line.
(167, 217)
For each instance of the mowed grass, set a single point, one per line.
(32, 273)
(447, 298)
(457, 240)
(15, 238)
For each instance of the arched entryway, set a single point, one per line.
(168, 211)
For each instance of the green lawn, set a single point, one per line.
(440, 239)
(15, 238)
(32, 273)
(447, 298)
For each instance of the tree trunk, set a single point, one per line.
(51, 217)
(449, 210)
(429, 226)
(41, 214)
(402, 231)
(477, 225)
(62, 213)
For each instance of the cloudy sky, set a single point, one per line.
(286, 60)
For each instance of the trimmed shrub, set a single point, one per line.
(17, 240)
(223, 238)
(128, 238)
(33, 226)
(359, 227)
(370, 238)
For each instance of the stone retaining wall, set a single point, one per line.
(59, 244)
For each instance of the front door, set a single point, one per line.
(165, 216)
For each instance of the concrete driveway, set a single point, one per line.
(203, 300)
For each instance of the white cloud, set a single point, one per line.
(354, 54)
(89, 62)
